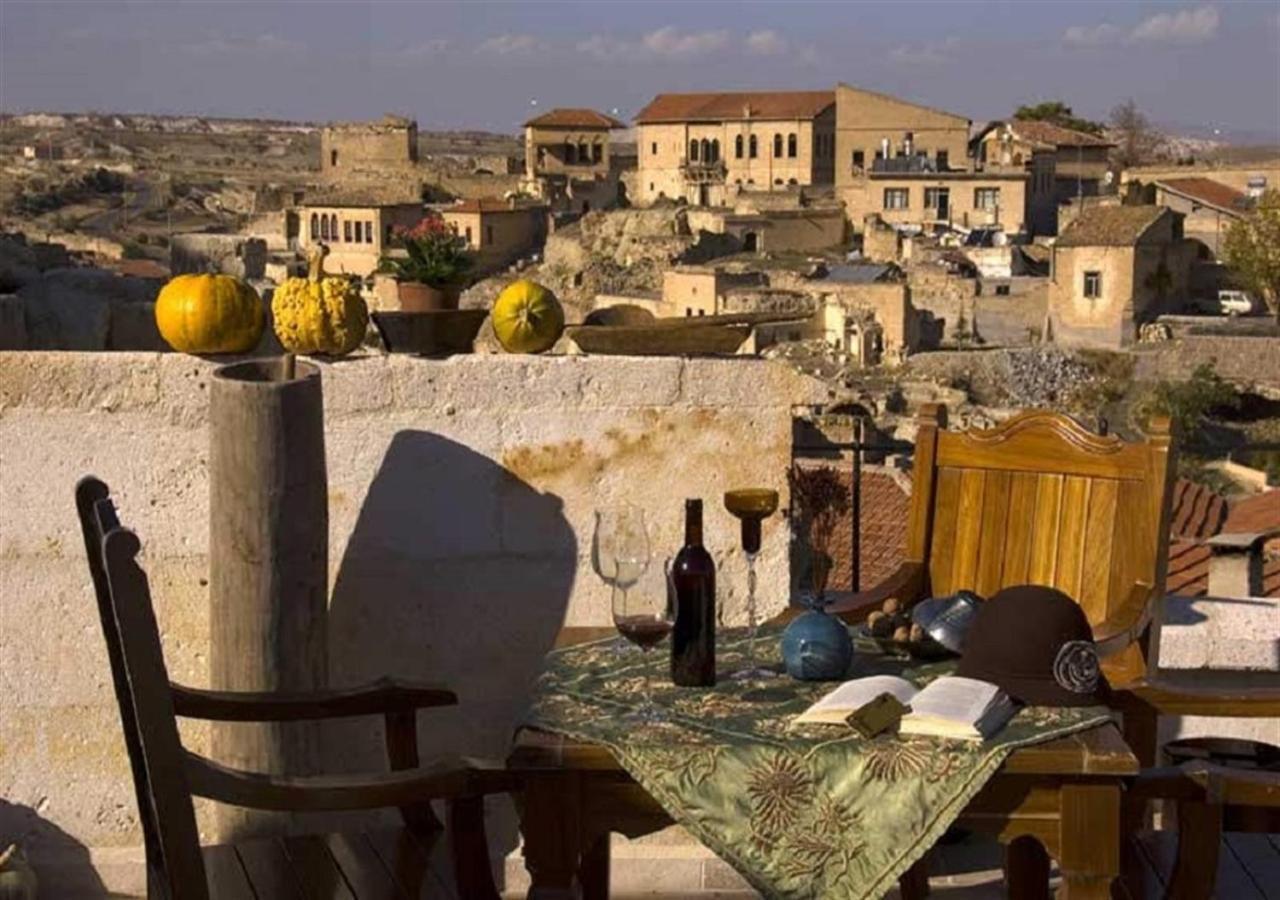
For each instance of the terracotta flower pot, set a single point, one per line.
(418, 297)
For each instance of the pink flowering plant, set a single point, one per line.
(436, 255)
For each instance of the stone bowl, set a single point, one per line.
(434, 333)
(667, 339)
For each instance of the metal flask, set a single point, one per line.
(947, 619)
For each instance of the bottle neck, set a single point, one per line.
(693, 523)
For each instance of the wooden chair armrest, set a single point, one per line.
(1205, 782)
(1179, 700)
(448, 779)
(380, 697)
(1113, 636)
(909, 583)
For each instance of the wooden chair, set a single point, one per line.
(1041, 500)
(424, 859)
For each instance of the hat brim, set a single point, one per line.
(1039, 691)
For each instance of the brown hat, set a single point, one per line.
(1035, 643)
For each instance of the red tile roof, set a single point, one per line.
(1254, 514)
(1197, 511)
(573, 118)
(1207, 192)
(1188, 569)
(1189, 556)
(1056, 135)
(735, 105)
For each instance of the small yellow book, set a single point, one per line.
(951, 706)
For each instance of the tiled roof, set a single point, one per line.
(1189, 556)
(1055, 135)
(1188, 569)
(573, 118)
(1197, 511)
(1258, 513)
(734, 105)
(1110, 226)
(884, 512)
(1206, 191)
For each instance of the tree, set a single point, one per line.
(1058, 113)
(1136, 141)
(1251, 248)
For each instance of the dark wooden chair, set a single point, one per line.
(424, 859)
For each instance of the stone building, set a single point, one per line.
(703, 148)
(368, 148)
(910, 165)
(1081, 161)
(1209, 207)
(569, 162)
(1114, 268)
(499, 231)
(358, 229)
(1003, 147)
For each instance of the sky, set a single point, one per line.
(487, 65)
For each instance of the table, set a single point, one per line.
(1059, 799)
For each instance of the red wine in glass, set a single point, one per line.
(644, 631)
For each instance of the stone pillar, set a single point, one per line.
(1235, 566)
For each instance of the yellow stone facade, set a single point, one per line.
(357, 236)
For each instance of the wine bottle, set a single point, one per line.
(693, 574)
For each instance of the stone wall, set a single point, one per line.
(1245, 360)
(461, 497)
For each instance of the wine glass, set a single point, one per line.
(645, 617)
(620, 548)
(752, 506)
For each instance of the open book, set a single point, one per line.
(950, 706)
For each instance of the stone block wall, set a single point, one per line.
(1244, 360)
(461, 497)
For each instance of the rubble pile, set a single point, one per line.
(1044, 376)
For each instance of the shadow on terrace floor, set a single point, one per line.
(459, 573)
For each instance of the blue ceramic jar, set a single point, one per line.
(816, 646)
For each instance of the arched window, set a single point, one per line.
(791, 146)
(584, 152)
(315, 227)
(597, 152)
(333, 157)
(737, 147)
(333, 225)
(706, 151)
(752, 148)
(693, 151)
(777, 146)
(324, 228)
(715, 150)
(346, 231)
(570, 153)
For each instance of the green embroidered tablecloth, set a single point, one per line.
(808, 812)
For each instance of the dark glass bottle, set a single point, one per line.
(693, 574)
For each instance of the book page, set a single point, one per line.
(954, 699)
(851, 695)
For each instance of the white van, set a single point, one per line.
(1236, 303)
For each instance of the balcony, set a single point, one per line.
(701, 172)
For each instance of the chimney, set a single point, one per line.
(1235, 564)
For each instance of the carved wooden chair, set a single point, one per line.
(1041, 500)
(424, 859)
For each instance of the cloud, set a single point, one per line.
(1092, 35)
(665, 43)
(421, 51)
(671, 43)
(766, 43)
(510, 44)
(937, 54)
(1186, 26)
(259, 45)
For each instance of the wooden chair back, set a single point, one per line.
(1041, 500)
(175, 869)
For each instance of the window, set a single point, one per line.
(469, 236)
(387, 234)
(315, 227)
(752, 148)
(333, 157)
(777, 181)
(488, 234)
(368, 232)
(791, 146)
(346, 231)
(597, 152)
(986, 198)
(542, 155)
(941, 157)
(333, 226)
(896, 198)
(706, 151)
(570, 154)
(324, 228)
(653, 149)
(777, 146)
(737, 147)
(715, 150)
(584, 153)
(936, 198)
(1002, 290)
(859, 160)
(651, 185)
(693, 151)
(1093, 285)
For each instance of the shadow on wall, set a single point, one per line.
(60, 862)
(458, 573)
